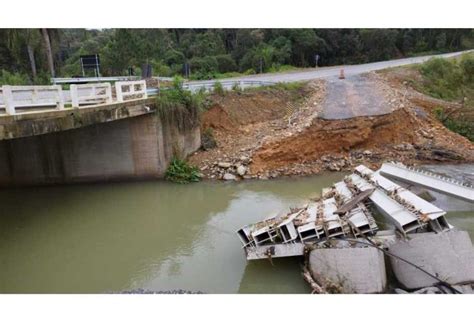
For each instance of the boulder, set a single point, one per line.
(224, 165)
(241, 170)
(333, 167)
(229, 176)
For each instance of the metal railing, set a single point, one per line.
(209, 85)
(81, 80)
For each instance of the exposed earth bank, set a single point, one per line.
(277, 132)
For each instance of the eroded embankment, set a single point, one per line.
(340, 144)
(241, 122)
(270, 133)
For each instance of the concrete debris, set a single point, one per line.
(449, 256)
(345, 249)
(354, 270)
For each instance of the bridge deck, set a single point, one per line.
(52, 120)
(429, 180)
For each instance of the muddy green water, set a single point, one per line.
(152, 235)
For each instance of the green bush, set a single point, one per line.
(180, 171)
(461, 126)
(236, 87)
(225, 64)
(180, 106)
(249, 71)
(219, 89)
(160, 68)
(443, 78)
(467, 67)
(7, 78)
(204, 67)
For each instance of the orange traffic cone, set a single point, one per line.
(341, 74)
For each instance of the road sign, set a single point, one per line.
(90, 62)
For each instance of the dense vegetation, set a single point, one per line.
(34, 55)
(452, 79)
(181, 172)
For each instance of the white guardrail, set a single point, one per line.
(16, 99)
(87, 94)
(127, 89)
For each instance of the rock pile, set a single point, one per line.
(229, 169)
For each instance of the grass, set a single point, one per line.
(180, 106)
(179, 171)
(451, 80)
(218, 88)
(293, 86)
(460, 125)
(448, 79)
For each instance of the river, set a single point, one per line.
(159, 236)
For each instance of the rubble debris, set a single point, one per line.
(355, 269)
(340, 238)
(315, 286)
(449, 256)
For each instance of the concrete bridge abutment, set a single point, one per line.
(126, 141)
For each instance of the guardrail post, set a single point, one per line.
(118, 91)
(108, 92)
(59, 92)
(143, 88)
(74, 96)
(8, 100)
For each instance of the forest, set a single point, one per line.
(32, 56)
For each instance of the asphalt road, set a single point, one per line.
(354, 96)
(314, 73)
(324, 72)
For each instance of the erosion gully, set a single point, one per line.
(157, 236)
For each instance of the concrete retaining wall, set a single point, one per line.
(135, 147)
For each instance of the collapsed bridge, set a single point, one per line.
(335, 232)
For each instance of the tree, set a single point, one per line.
(25, 38)
(49, 50)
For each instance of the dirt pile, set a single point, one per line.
(243, 121)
